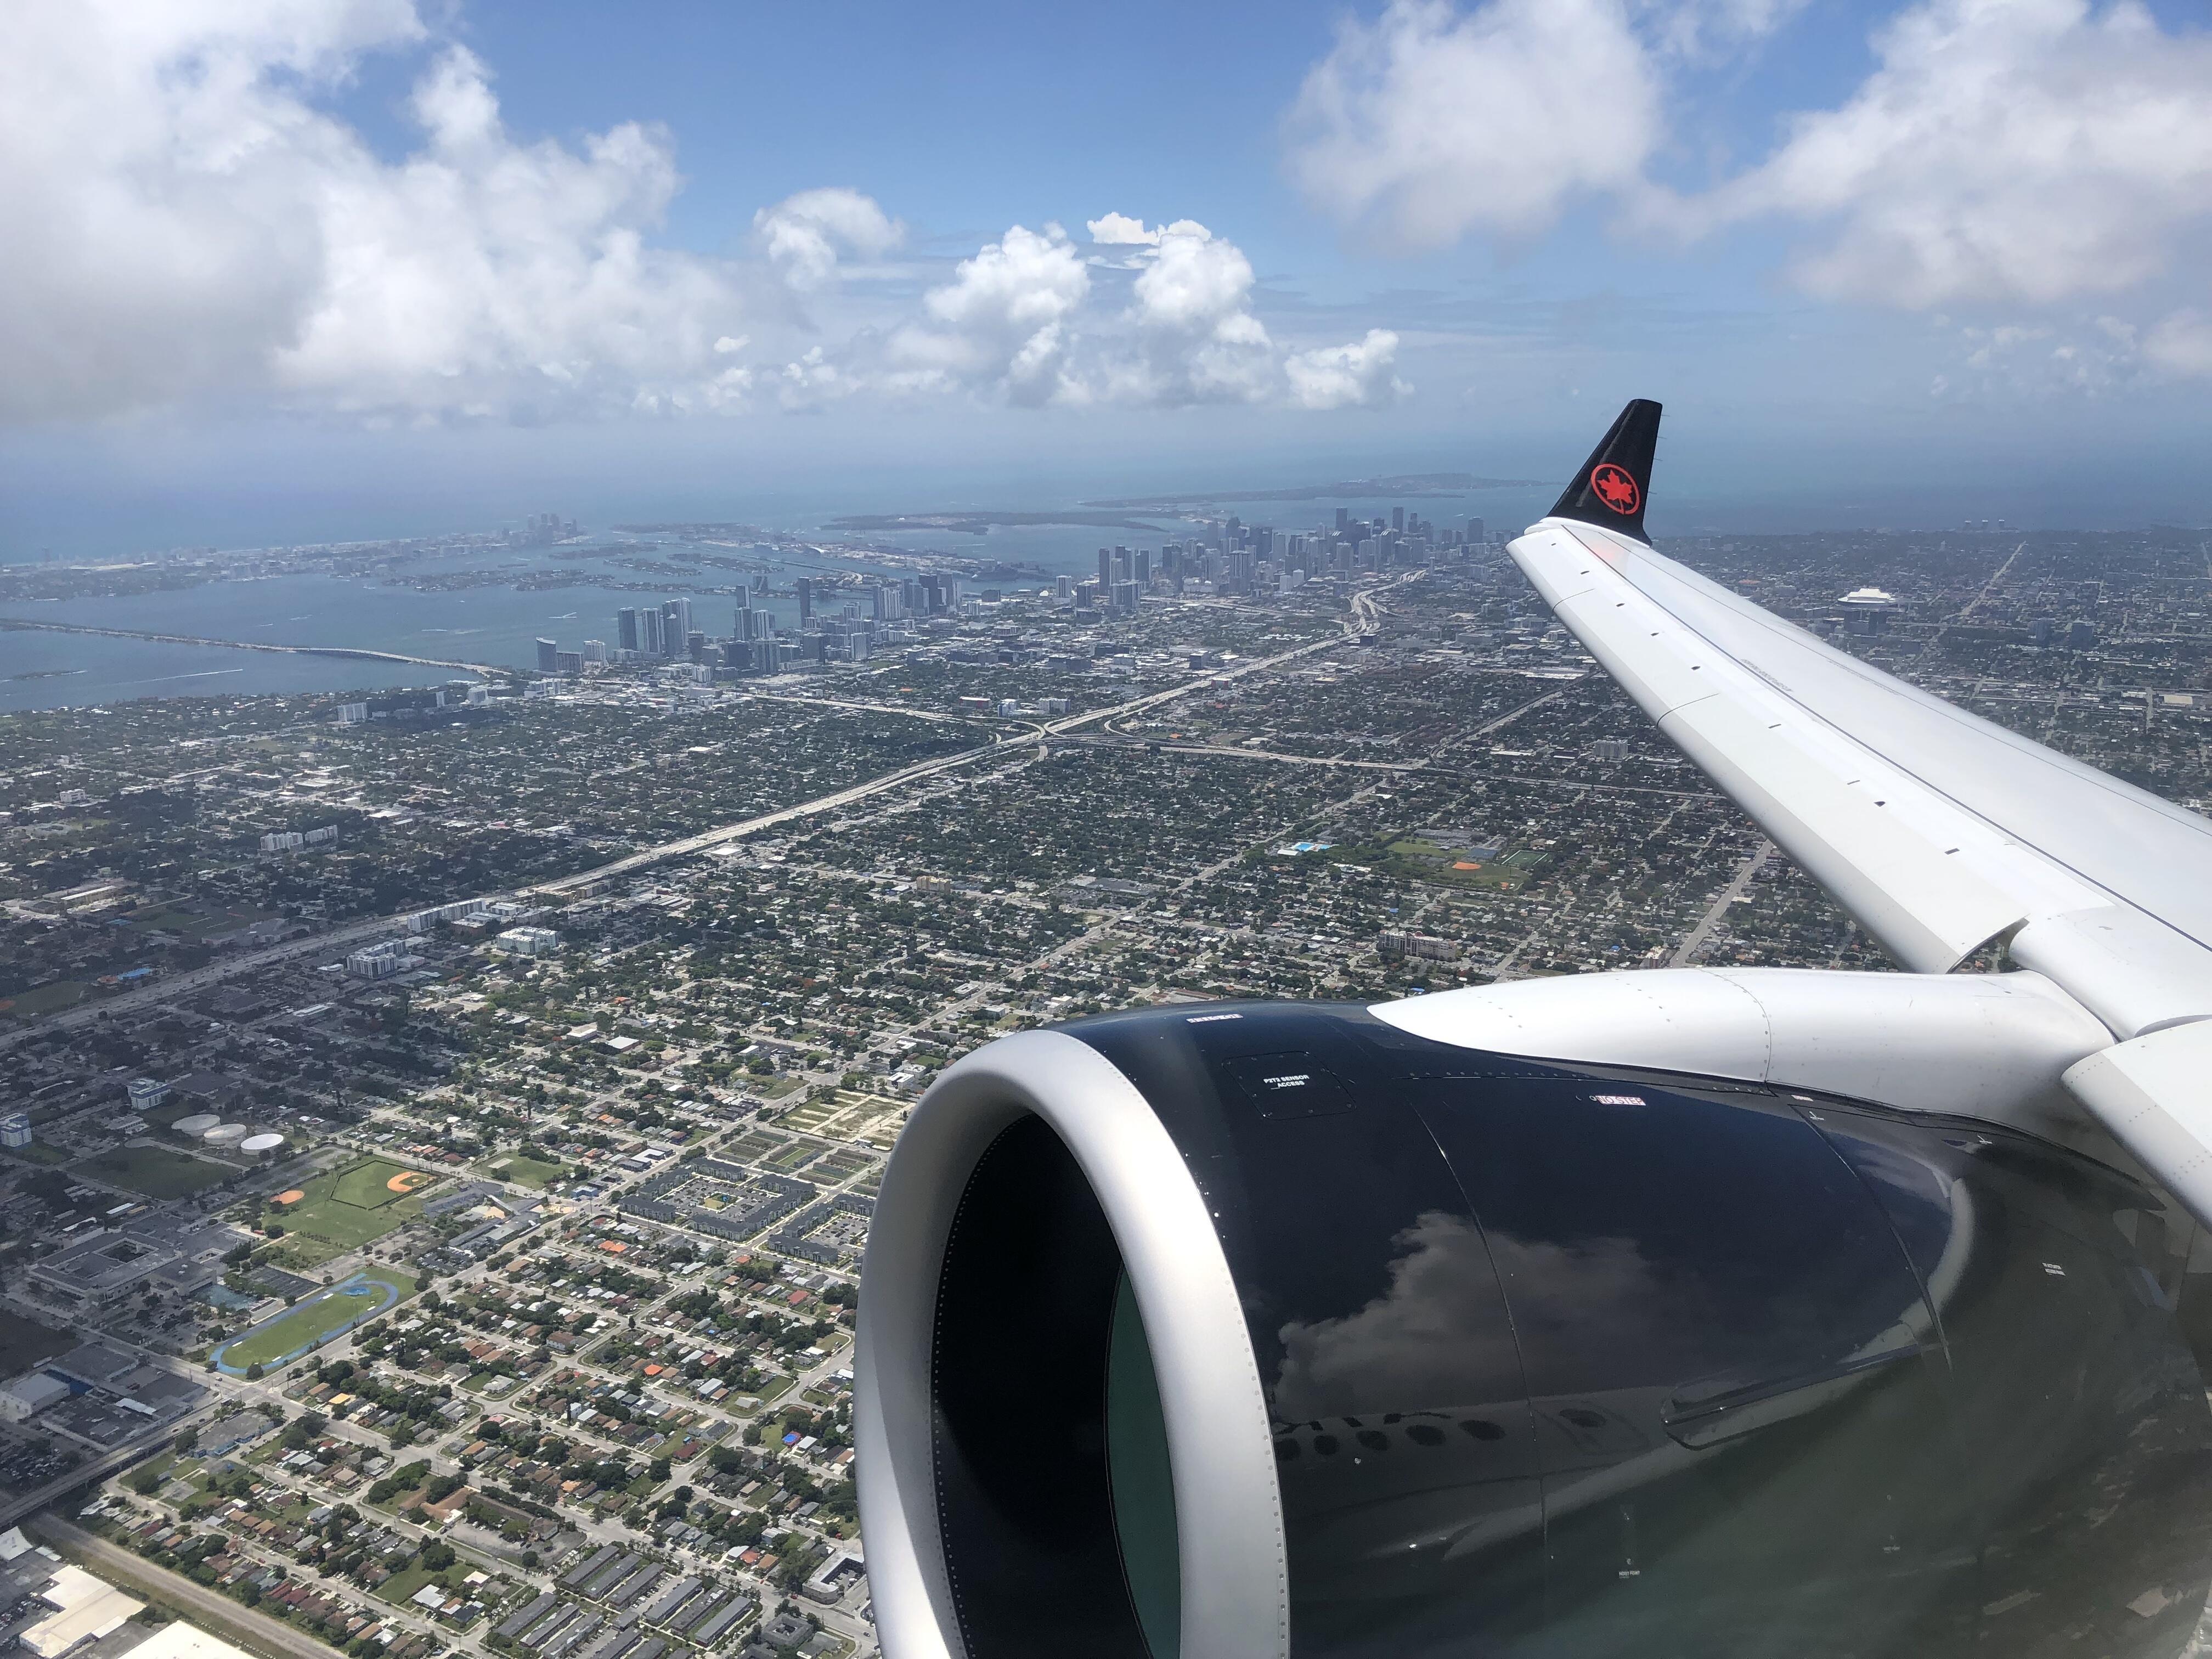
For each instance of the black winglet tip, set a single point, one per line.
(1612, 487)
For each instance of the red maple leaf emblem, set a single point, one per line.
(1613, 486)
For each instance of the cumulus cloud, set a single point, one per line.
(1428, 124)
(194, 224)
(204, 227)
(2008, 154)
(1194, 337)
(1002, 323)
(2002, 150)
(1119, 230)
(1357, 376)
(1024, 321)
(805, 235)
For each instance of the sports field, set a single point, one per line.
(530, 1172)
(296, 1331)
(349, 1207)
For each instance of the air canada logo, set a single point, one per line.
(1615, 488)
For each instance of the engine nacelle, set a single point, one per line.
(1280, 1329)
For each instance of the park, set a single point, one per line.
(329, 1214)
(282, 1338)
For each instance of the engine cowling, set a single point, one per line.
(1276, 1329)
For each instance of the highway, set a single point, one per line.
(1685, 953)
(246, 645)
(1365, 622)
(85, 1474)
(336, 941)
(222, 1615)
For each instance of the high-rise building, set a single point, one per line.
(546, 653)
(570, 663)
(1474, 532)
(648, 633)
(805, 587)
(1105, 567)
(1398, 520)
(1343, 520)
(674, 625)
(626, 635)
(1143, 567)
(595, 651)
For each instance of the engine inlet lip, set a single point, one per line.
(1231, 1550)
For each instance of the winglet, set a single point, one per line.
(1613, 484)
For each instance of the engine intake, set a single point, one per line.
(1274, 1329)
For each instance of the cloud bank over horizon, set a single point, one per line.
(2006, 200)
(2012, 156)
(207, 230)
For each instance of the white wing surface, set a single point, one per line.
(1939, 831)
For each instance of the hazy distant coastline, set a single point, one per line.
(982, 523)
(1403, 483)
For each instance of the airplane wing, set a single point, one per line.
(1940, 832)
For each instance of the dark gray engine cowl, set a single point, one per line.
(1269, 1330)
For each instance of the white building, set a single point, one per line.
(530, 941)
(460, 910)
(24, 1397)
(87, 1609)
(381, 960)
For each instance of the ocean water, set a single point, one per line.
(499, 624)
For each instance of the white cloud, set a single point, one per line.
(1428, 123)
(1195, 339)
(806, 235)
(1002, 323)
(1194, 282)
(2006, 154)
(1118, 229)
(1033, 319)
(193, 225)
(2180, 345)
(1707, 28)
(189, 221)
(1360, 376)
(2009, 364)
(2002, 150)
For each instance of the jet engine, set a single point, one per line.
(1782, 1315)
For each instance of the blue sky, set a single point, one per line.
(396, 263)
